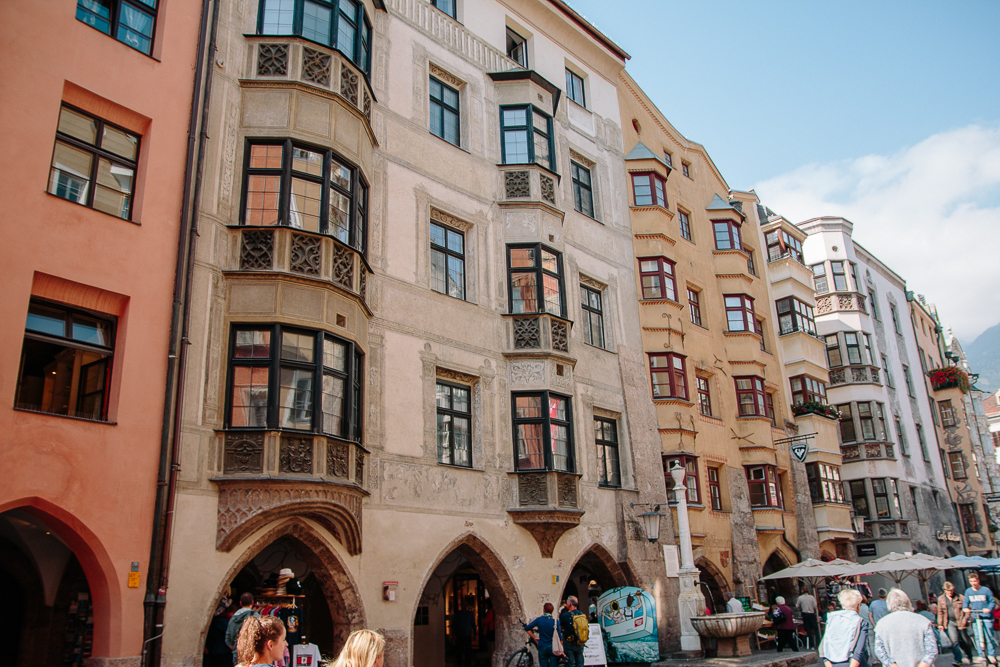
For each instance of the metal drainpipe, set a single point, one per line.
(156, 580)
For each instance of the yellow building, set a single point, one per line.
(715, 373)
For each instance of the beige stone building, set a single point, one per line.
(714, 362)
(416, 377)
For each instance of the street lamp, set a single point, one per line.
(858, 521)
(650, 520)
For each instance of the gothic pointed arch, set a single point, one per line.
(602, 567)
(339, 588)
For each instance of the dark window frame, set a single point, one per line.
(686, 168)
(97, 153)
(694, 306)
(767, 487)
(825, 484)
(516, 47)
(894, 314)
(68, 341)
(795, 315)
(834, 355)
(592, 314)
(607, 477)
(684, 223)
(959, 467)
(454, 7)
(448, 253)
(540, 272)
(883, 510)
(657, 184)
(116, 24)
(668, 279)
(580, 188)
(820, 283)
(531, 130)
(859, 498)
(839, 276)
(948, 417)
(357, 194)
(704, 395)
(677, 384)
(970, 522)
(690, 464)
(574, 85)
(453, 413)
(714, 488)
(848, 431)
(546, 421)
(351, 412)
(747, 313)
(757, 391)
(447, 111)
(873, 304)
(782, 244)
(852, 343)
(866, 417)
(809, 389)
(729, 233)
(360, 54)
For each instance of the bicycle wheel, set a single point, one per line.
(520, 658)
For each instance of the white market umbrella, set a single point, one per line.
(898, 566)
(813, 572)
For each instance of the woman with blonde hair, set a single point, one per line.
(364, 648)
(261, 641)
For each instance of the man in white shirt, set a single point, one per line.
(733, 606)
(807, 605)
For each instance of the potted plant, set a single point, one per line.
(948, 377)
(816, 408)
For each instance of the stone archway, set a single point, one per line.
(503, 594)
(339, 588)
(776, 562)
(715, 582)
(598, 565)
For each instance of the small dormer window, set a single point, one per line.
(517, 48)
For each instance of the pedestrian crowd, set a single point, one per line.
(895, 632)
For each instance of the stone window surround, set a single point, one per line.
(429, 210)
(576, 155)
(464, 102)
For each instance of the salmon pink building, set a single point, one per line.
(96, 101)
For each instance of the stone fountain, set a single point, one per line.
(731, 630)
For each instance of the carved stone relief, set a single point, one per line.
(516, 184)
(532, 489)
(315, 67)
(337, 455)
(348, 84)
(296, 455)
(306, 254)
(527, 372)
(447, 77)
(257, 250)
(559, 336)
(343, 266)
(567, 491)
(359, 468)
(548, 187)
(272, 60)
(244, 453)
(526, 334)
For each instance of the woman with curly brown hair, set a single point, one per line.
(261, 641)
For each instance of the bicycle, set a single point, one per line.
(523, 657)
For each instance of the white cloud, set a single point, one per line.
(931, 212)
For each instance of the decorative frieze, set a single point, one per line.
(516, 184)
(548, 187)
(348, 84)
(445, 76)
(315, 67)
(306, 254)
(272, 60)
(343, 266)
(526, 334)
(359, 468)
(257, 250)
(560, 332)
(244, 453)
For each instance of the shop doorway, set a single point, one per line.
(594, 573)
(467, 610)
(47, 619)
(293, 574)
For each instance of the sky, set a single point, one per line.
(886, 113)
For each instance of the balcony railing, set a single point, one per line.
(840, 302)
(296, 60)
(286, 250)
(855, 375)
(275, 453)
(867, 451)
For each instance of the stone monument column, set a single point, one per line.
(690, 602)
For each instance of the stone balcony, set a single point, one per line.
(529, 185)
(867, 451)
(298, 62)
(266, 475)
(546, 504)
(536, 335)
(301, 254)
(839, 302)
(855, 375)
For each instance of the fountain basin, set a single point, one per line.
(731, 630)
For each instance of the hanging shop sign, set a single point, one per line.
(627, 617)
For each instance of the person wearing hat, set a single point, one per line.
(236, 622)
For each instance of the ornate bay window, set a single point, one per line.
(727, 235)
(291, 379)
(649, 189)
(824, 483)
(536, 280)
(782, 244)
(668, 374)
(543, 431)
(806, 389)
(526, 136)
(304, 187)
(339, 24)
(751, 397)
(765, 489)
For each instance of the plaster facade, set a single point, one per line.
(748, 499)
(389, 503)
(93, 197)
(890, 466)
